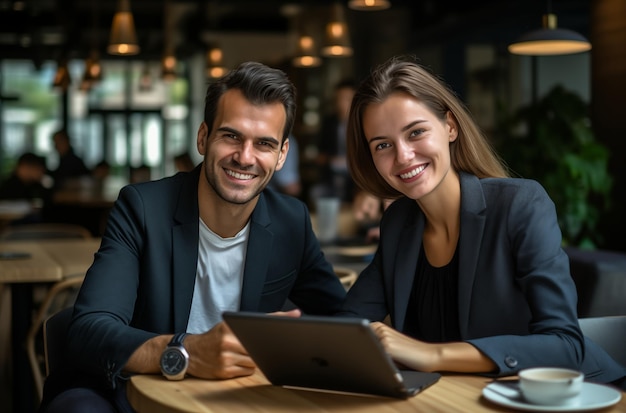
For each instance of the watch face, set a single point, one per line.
(173, 361)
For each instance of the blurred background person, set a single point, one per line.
(101, 170)
(287, 179)
(336, 179)
(27, 182)
(70, 165)
(141, 173)
(183, 162)
(368, 210)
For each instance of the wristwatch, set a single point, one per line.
(175, 359)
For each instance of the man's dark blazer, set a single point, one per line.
(142, 279)
(516, 298)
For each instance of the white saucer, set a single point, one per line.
(593, 396)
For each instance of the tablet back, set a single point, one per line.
(328, 353)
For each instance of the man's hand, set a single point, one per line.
(218, 354)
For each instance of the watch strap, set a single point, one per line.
(177, 340)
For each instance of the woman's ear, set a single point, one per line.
(452, 126)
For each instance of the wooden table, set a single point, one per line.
(49, 262)
(155, 394)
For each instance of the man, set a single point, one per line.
(178, 252)
(26, 182)
(70, 164)
(332, 145)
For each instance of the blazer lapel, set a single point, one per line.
(472, 227)
(407, 255)
(185, 249)
(257, 257)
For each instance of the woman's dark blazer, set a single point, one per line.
(141, 282)
(516, 298)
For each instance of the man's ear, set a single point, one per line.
(201, 138)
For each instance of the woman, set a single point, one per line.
(469, 267)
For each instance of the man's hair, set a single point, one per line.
(61, 133)
(30, 158)
(260, 85)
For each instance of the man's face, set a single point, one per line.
(60, 144)
(30, 173)
(242, 149)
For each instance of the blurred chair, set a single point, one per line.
(600, 278)
(68, 285)
(57, 295)
(54, 337)
(347, 276)
(29, 232)
(609, 333)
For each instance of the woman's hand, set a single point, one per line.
(417, 355)
(405, 350)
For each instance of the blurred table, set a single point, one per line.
(155, 394)
(12, 210)
(90, 192)
(47, 261)
(352, 257)
(86, 201)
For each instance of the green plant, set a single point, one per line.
(552, 141)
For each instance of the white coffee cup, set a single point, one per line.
(551, 386)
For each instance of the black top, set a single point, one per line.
(432, 313)
(70, 166)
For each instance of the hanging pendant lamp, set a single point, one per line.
(168, 61)
(214, 65)
(168, 67)
(93, 72)
(93, 68)
(550, 40)
(305, 54)
(369, 5)
(337, 37)
(123, 39)
(62, 77)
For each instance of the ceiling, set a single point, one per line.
(51, 29)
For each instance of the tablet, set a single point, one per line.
(325, 353)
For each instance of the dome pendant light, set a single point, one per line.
(550, 40)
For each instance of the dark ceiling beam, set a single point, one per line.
(44, 26)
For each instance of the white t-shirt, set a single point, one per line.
(219, 276)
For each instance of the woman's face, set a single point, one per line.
(410, 146)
